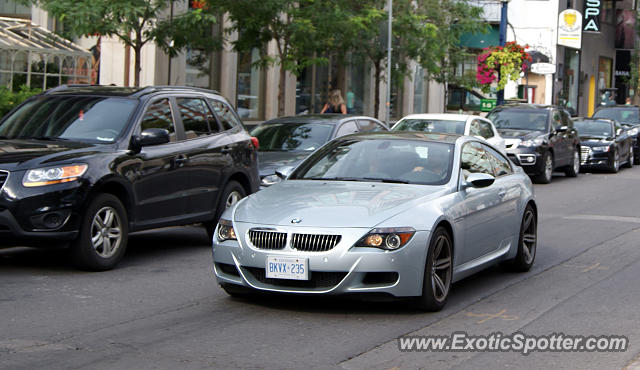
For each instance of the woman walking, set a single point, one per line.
(335, 104)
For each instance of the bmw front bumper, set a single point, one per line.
(341, 270)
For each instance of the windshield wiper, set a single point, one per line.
(44, 138)
(392, 181)
(376, 179)
(334, 178)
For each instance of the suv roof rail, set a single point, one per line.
(180, 87)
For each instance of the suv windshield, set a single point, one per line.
(81, 118)
(601, 129)
(430, 125)
(379, 160)
(292, 136)
(627, 115)
(518, 119)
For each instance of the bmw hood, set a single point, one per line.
(519, 134)
(269, 162)
(335, 204)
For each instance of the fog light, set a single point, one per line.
(50, 220)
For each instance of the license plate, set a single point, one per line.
(292, 268)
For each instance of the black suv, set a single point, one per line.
(540, 138)
(629, 117)
(86, 165)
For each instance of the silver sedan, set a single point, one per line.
(400, 214)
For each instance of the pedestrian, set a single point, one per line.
(335, 103)
(627, 101)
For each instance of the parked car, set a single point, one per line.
(629, 117)
(604, 144)
(540, 138)
(461, 124)
(286, 141)
(403, 214)
(85, 166)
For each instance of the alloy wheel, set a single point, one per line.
(548, 167)
(576, 162)
(106, 232)
(441, 269)
(529, 236)
(233, 198)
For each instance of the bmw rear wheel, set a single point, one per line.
(438, 272)
(527, 242)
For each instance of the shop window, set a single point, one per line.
(250, 85)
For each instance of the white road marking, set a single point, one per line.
(635, 220)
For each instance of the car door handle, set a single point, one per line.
(180, 160)
(502, 193)
(226, 149)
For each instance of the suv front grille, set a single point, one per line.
(317, 279)
(267, 239)
(314, 242)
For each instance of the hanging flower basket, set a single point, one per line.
(509, 60)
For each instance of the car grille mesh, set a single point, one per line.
(3, 178)
(584, 153)
(266, 239)
(317, 279)
(314, 242)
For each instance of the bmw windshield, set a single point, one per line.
(79, 118)
(380, 160)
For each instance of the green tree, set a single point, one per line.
(134, 22)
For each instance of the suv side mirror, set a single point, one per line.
(619, 132)
(153, 136)
(480, 180)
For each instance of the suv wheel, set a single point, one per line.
(547, 169)
(103, 235)
(231, 195)
(574, 168)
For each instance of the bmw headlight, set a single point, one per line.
(633, 131)
(390, 238)
(270, 180)
(226, 231)
(600, 148)
(535, 142)
(53, 175)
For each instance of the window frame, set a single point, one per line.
(177, 122)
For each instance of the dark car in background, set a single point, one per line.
(540, 138)
(286, 141)
(604, 144)
(629, 117)
(84, 166)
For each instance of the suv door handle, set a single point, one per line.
(180, 160)
(226, 149)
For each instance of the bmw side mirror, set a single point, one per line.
(153, 136)
(480, 180)
(284, 171)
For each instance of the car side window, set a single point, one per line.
(474, 128)
(370, 126)
(158, 115)
(501, 165)
(193, 112)
(225, 114)
(474, 160)
(556, 120)
(566, 120)
(484, 128)
(347, 128)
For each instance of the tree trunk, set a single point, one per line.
(136, 69)
(281, 87)
(376, 89)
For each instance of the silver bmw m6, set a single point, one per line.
(405, 214)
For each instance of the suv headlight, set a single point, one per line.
(226, 231)
(600, 148)
(535, 142)
(633, 131)
(390, 238)
(53, 175)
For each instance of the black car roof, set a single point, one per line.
(328, 118)
(133, 92)
(407, 135)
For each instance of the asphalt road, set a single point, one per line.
(162, 308)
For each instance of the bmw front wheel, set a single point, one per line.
(437, 272)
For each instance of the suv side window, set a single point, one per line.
(347, 128)
(566, 119)
(225, 114)
(474, 160)
(501, 166)
(158, 115)
(193, 112)
(556, 119)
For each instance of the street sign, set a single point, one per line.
(487, 104)
(570, 28)
(543, 68)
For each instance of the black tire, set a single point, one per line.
(436, 283)
(573, 169)
(527, 243)
(232, 189)
(614, 166)
(105, 214)
(236, 291)
(546, 175)
(630, 159)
